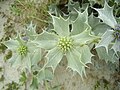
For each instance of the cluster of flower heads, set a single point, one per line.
(117, 32)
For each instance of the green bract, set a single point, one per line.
(25, 53)
(73, 44)
(111, 38)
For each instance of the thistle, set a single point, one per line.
(25, 53)
(72, 44)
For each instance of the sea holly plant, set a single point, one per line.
(72, 36)
(111, 38)
(24, 53)
(70, 42)
(26, 56)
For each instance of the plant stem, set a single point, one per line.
(46, 85)
(119, 66)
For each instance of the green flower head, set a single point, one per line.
(23, 50)
(65, 43)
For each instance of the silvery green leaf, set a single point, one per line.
(72, 7)
(116, 46)
(81, 23)
(96, 26)
(84, 6)
(45, 74)
(12, 44)
(36, 56)
(15, 60)
(75, 61)
(20, 40)
(93, 21)
(100, 29)
(35, 52)
(73, 15)
(54, 56)
(83, 37)
(31, 27)
(106, 15)
(110, 56)
(47, 40)
(26, 62)
(32, 46)
(53, 9)
(85, 54)
(107, 38)
(31, 31)
(61, 25)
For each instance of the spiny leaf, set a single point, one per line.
(72, 7)
(11, 44)
(110, 56)
(26, 63)
(93, 21)
(54, 57)
(15, 60)
(46, 40)
(74, 58)
(36, 56)
(97, 27)
(116, 46)
(81, 23)
(61, 25)
(106, 14)
(85, 54)
(83, 37)
(107, 38)
(30, 31)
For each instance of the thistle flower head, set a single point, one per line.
(65, 43)
(22, 50)
(117, 32)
